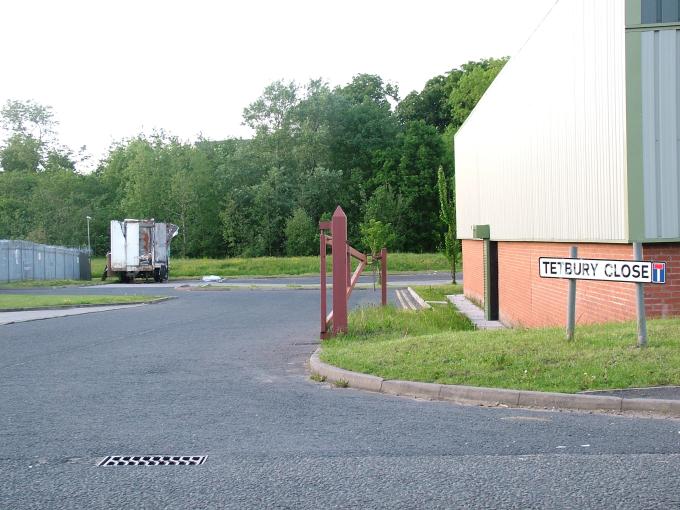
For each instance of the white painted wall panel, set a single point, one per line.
(118, 249)
(543, 155)
(132, 244)
(661, 132)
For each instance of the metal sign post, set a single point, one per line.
(640, 291)
(637, 271)
(571, 306)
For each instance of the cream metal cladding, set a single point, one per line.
(660, 74)
(543, 155)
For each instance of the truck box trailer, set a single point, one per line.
(140, 249)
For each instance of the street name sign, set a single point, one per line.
(633, 271)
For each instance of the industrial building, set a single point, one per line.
(576, 143)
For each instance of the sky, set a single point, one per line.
(111, 69)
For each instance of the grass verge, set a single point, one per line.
(37, 284)
(18, 301)
(408, 346)
(282, 266)
(437, 292)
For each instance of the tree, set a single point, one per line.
(273, 205)
(238, 219)
(270, 112)
(411, 173)
(22, 153)
(28, 118)
(376, 235)
(321, 192)
(387, 207)
(447, 213)
(476, 78)
(430, 105)
(31, 143)
(302, 236)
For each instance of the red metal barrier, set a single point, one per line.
(344, 280)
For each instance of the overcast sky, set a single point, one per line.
(114, 68)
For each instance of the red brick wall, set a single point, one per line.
(525, 299)
(473, 270)
(664, 300)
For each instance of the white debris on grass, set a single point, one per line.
(212, 278)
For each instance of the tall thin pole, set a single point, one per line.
(383, 276)
(89, 250)
(571, 305)
(640, 294)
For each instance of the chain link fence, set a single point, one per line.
(24, 260)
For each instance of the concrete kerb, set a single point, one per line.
(471, 395)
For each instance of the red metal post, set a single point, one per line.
(383, 276)
(322, 253)
(340, 273)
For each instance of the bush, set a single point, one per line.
(302, 237)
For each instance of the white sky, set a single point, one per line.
(112, 69)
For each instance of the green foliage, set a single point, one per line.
(314, 148)
(376, 235)
(282, 266)
(437, 292)
(430, 105)
(476, 78)
(414, 346)
(447, 213)
(317, 377)
(28, 118)
(22, 153)
(301, 234)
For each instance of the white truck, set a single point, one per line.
(140, 249)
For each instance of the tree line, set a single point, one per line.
(315, 147)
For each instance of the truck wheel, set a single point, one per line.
(157, 275)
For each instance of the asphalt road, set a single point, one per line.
(223, 374)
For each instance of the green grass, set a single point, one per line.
(601, 357)
(34, 284)
(437, 292)
(13, 301)
(282, 266)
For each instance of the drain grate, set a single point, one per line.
(154, 460)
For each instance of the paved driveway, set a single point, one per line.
(223, 374)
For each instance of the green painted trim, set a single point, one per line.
(635, 207)
(653, 26)
(481, 231)
(633, 12)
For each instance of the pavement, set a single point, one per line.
(34, 315)
(223, 374)
(474, 313)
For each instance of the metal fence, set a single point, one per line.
(24, 260)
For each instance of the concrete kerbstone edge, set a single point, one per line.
(418, 299)
(473, 395)
(335, 374)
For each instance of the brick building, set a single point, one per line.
(576, 143)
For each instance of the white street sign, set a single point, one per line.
(599, 269)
